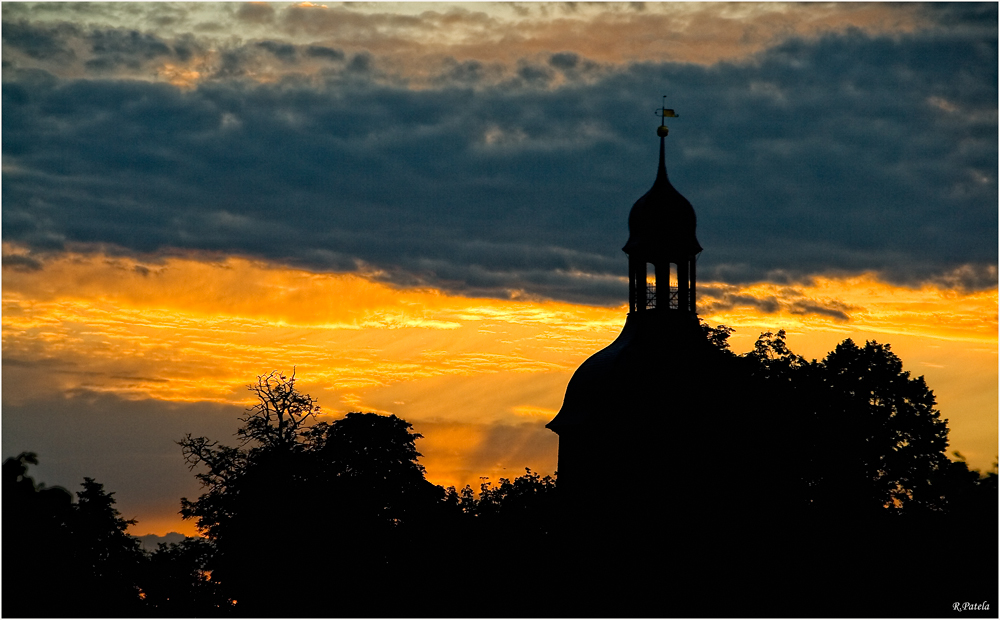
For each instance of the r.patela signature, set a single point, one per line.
(984, 606)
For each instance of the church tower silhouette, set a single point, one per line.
(628, 412)
(662, 235)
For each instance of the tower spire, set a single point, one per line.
(664, 113)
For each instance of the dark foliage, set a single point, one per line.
(843, 485)
(717, 336)
(177, 581)
(514, 527)
(867, 437)
(345, 500)
(80, 549)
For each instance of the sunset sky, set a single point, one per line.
(421, 207)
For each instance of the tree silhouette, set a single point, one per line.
(177, 581)
(896, 433)
(874, 497)
(280, 414)
(37, 548)
(109, 557)
(356, 478)
(865, 435)
(717, 336)
(526, 498)
(80, 550)
(514, 527)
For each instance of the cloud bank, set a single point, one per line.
(862, 142)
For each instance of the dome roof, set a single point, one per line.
(653, 351)
(662, 223)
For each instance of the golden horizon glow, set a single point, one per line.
(875, 306)
(477, 377)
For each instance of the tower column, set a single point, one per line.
(637, 294)
(682, 286)
(693, 262)
(631, 285)
(640, 285)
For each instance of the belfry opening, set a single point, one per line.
(671, 288)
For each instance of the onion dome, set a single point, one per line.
(662, 223)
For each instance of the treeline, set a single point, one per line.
(63, 557)
(851, 434)
(302, 518)
(862, 511)
(835, 497)
(74, 559)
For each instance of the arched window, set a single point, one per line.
(674, 284)
(650, 286)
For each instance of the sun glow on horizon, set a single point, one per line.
(477, 377)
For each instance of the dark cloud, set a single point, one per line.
(564, 60)
(240, 60)
(328, 53)
(468, 72)
(41, 42)
(534, 74)
(21, 262)
(284, 52)
(255, 12)
(976, 18)
(572, 66)
(969, 278)
(727, 301)
(714, 298)
(845, 154)
(836, 310)
(846, 159)
(130, 48)
(186, 46)
(233, 62)
(361, 62)
(101, 50)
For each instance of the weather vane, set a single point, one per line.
(664, 113)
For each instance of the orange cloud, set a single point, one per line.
(179, 76)
(192, 330)
(415, 43)
(478, 377)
